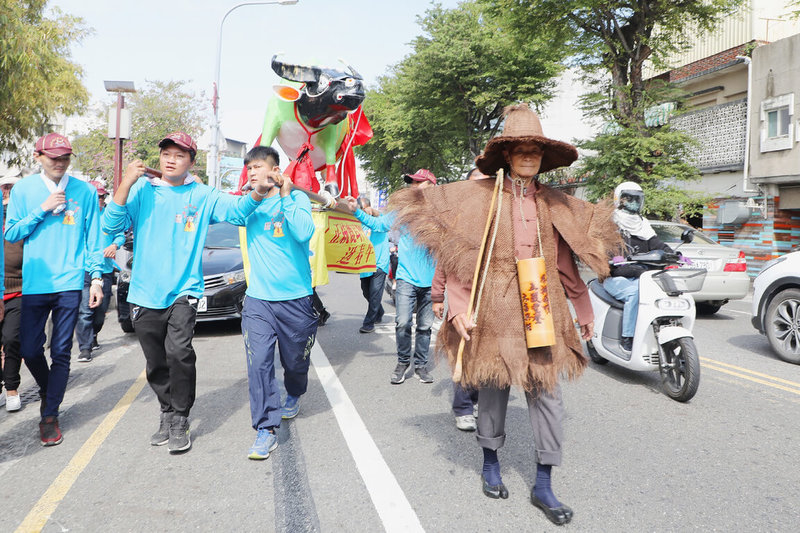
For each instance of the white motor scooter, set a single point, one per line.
(663, 337)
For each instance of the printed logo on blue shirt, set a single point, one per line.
(70, 212)
(188, 218)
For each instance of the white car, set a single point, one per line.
(776, 305)
(726, 267)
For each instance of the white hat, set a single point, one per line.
(11, 176)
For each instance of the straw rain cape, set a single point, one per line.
(448, 220)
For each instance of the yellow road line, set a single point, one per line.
(753, 379)
(753, 372)
(44, 508)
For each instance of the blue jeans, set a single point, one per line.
(293, 325)
(626, 290)
(407, 298)
(372, 289)
(52, 379)
(90, 321)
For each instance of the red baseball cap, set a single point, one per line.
(53, 145)
(422, 174)
(99, 186)
(181, 140)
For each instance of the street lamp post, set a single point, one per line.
(214, 151)
(119, 87)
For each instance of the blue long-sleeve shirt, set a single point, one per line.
(414, 263)
(106, 240)
(169, 228)
(57, 248)
(278, 236)
(379, 237)
(2, 258)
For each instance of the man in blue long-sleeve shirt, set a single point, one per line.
(415, 268)
(372, 283)
(90, 321)
(57, 217)
(278, 305)
(170, 217)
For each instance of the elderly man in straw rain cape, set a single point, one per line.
(530, 223)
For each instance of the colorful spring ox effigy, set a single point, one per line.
(316, 117)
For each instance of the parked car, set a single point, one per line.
(223, 273)
(726, 267)
(776, 305)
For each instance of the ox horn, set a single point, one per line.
(353, 71)
(297, 73)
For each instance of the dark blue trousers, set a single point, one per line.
(293, 326)
(90, 321)
(372, 289)
(464, 399)
(52, 379)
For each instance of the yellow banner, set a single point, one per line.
(347, 247)
(339, 243)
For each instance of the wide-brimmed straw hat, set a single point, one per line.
(523, 125)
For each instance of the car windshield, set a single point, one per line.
(671, 234)
(222, 235)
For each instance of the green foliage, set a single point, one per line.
(158, 109)
(37, 78)
(657, 161)
(438, 107)
(610, 41)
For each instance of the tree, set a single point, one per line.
(610, 41)
(37, 78)
(158, 109)
(438, 107)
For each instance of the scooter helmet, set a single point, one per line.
(629, 197)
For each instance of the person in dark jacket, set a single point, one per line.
(9, 331)
(639, 237)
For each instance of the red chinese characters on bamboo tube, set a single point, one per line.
(536, 314)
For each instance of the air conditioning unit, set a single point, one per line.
(733, 212)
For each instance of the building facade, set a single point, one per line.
(746, 73)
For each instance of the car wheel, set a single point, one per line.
(782, 325)
(707, 308)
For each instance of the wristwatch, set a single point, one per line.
(97, 281)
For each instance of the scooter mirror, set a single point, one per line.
(687, 236)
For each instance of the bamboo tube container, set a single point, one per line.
(537, 316)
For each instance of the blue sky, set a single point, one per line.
(177, 40)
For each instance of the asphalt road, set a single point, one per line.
(364, 455)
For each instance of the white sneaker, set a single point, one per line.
(466, 423)
(13, 403)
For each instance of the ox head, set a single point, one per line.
(327, 95)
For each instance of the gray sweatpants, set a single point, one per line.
(546, 411)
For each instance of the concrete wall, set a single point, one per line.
(776, 72)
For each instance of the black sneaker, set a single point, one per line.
(161, 437)
(94, 343)
(366, 329)
(179, 440)
(399, 374)
(423, 375)
(85, 356)
(626, 343)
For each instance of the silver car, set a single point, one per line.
(727, 277)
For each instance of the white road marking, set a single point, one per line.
(728, 310)
(388, 498)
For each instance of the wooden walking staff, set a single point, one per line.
(498, 183)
